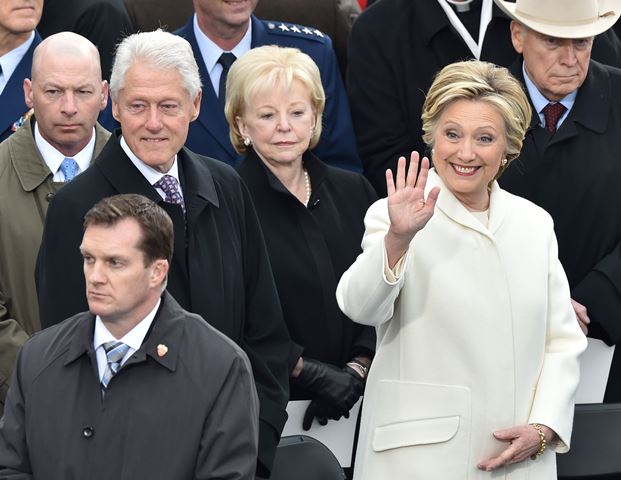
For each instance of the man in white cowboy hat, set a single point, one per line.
(571, 158)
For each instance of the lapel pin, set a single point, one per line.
(162, 350)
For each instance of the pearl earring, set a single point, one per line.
(247, 141)
(503, 162)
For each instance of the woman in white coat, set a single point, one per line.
(477, 357)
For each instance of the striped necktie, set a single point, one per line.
(115, 351)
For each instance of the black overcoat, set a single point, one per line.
(396, 48)
(190, 414)
(576, 176)
(220, 268)
(309, 249)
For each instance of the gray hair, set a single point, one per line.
(159, 49)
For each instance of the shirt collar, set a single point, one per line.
(10, 60)
(53, 158)
(151, 174)
(539, 101)
(211, 52)
(133, 339)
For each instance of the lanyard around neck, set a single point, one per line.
(486, 17)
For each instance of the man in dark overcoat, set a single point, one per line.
(137, 387)
(220, 269)
(570, 160)
(395, 50)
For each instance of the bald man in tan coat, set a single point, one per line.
(67, 93)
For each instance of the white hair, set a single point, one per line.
(159, 49)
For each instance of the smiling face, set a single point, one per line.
(155, 111)
(279, 122)
(119, 286)
(557, 66)
(469, 145)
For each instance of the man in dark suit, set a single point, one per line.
(18, 39)
(137, 387)
(220, 269)
(219, 27)
(569, 162)
(395, 50)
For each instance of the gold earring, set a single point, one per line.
(503, 162)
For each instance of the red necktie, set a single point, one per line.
(552, 112)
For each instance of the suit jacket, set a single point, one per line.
(475, 334)
(220, 269)
(13, 108)
(26, 188)
(395, 50)
(103, 22)
(575, 175)
(191, 414)
(309, 250)
(209, 134)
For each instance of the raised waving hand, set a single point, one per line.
(408, 209)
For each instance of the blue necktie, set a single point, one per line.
(115, 351)
(168, 185)
(69, 167)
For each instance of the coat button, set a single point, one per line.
(49, 196)
(88, 431)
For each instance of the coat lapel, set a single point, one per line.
(454, 209)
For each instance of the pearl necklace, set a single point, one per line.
(307, 186)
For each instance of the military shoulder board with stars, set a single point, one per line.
(291, 29)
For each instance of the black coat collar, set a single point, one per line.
(198, 187)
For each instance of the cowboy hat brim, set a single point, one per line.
(564, 30)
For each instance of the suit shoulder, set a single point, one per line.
(45, 346)
(200, 333)
(296, 34)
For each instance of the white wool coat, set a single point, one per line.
(475, 334)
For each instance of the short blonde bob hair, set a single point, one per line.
(485, 82)
(260, 70)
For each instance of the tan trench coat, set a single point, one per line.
(26, 187)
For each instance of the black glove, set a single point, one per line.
(338, 390)
(322, 412)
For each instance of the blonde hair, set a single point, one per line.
(263, 68)
(485, 82)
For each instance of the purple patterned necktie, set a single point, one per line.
(552, 112)
(168, 185)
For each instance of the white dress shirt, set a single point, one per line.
(53, 158)
(151, 174)
(211, 52)
(133, 339)
(10, 60)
